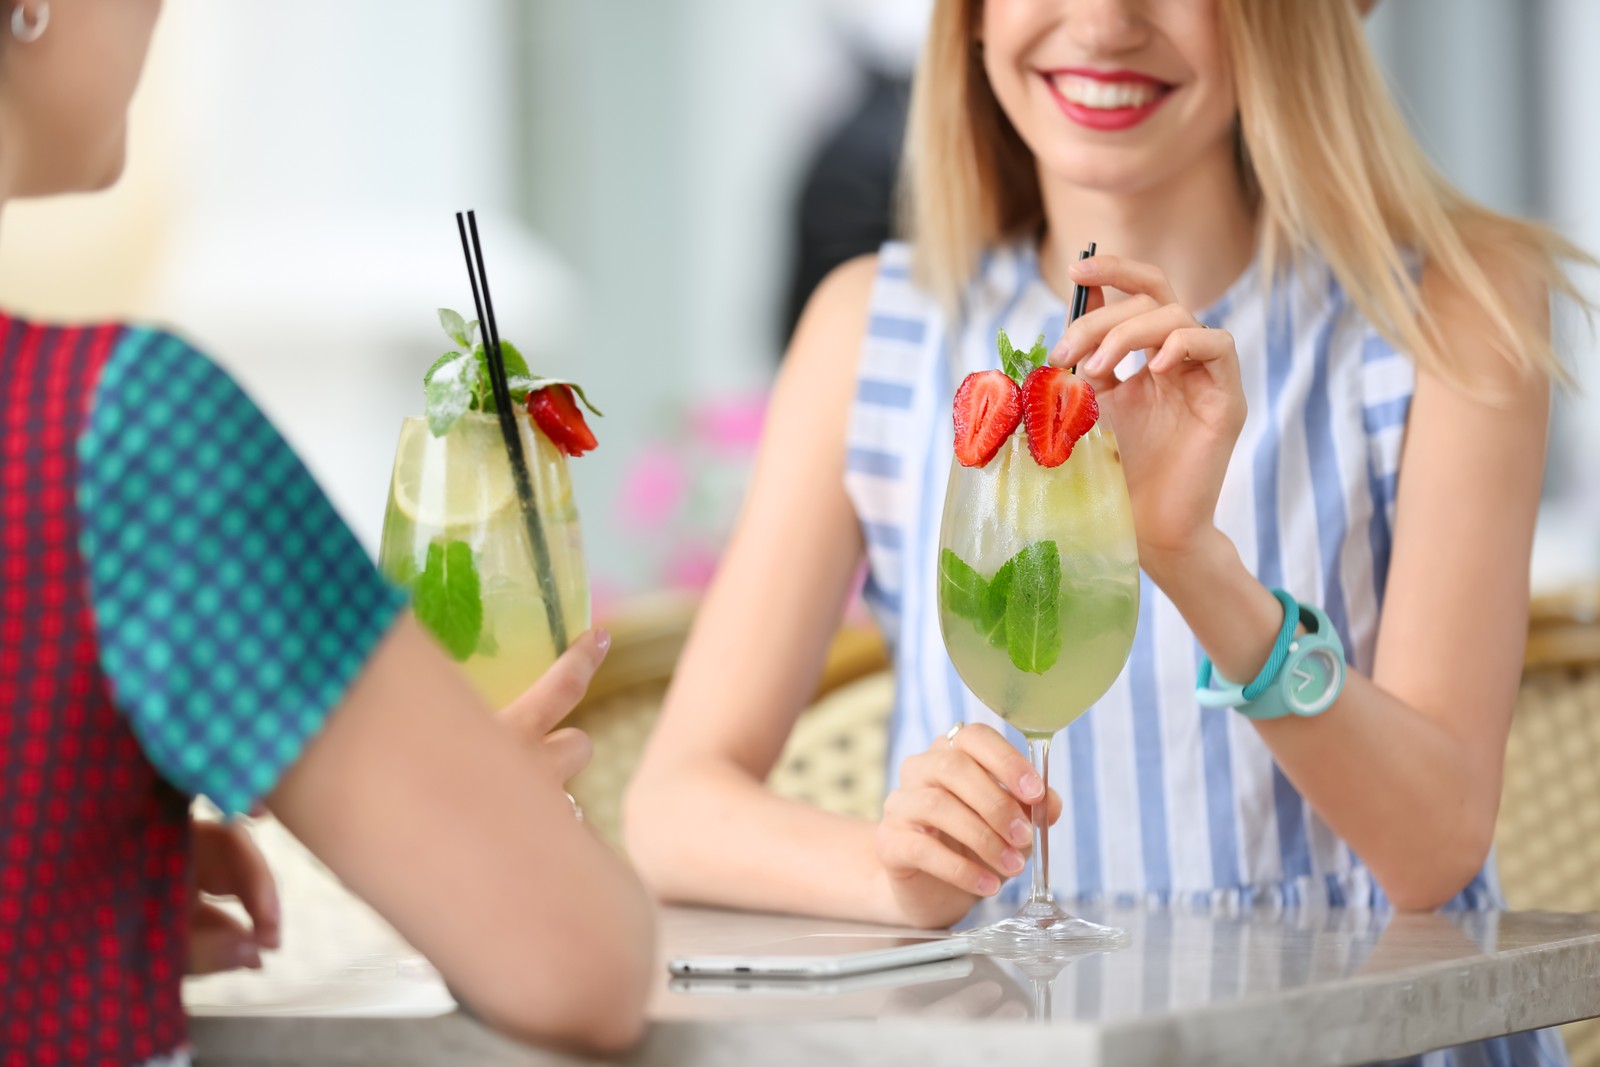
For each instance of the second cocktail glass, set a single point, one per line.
(1038, 601)
(454, 535)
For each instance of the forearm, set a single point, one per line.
(707, 833)
(1411, 798)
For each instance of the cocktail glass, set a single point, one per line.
(454, 534)
(1038, 601)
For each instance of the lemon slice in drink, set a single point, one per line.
(460, 480)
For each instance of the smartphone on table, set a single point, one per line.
(823, 956)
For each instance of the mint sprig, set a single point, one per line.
(1019, 364)
(1019, 609)
(448, 599)
(459, 380)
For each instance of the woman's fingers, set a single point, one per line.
(974, 770)
(1128, 275)
(937, 809)
(1147, 330)
(1083, 337)
(1197, 345)
(550, 699)
(228, 864)
(219, 942)
(994, 754)
(571, 750)
(906, 850)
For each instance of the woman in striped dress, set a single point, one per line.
(1327, 372)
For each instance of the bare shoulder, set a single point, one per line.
(819, 371)
(835, 318)
(1468, 331)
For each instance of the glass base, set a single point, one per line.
(1042, 925)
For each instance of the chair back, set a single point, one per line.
(1547, 838)
(834, 758)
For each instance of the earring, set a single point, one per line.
(29, 32)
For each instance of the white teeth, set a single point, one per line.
(1104, 96)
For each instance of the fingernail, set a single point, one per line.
(988, 885)
(1021, 832)
(245, 954)
(602, 641)
(1085, 268)
(1031, 786)
(1011, 861)
(1095, 363)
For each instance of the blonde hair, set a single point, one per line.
(1349, 182)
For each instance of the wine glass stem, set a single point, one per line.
(1039, 752)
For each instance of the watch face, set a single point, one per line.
(1313, 680)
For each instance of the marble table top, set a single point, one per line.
(1325, 987)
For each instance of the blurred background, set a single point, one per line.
(659, 184)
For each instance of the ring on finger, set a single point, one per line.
(950, 734)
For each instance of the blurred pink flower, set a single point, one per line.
(653, 488)
(691, 566)
(730, 424)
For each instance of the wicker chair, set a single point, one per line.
(1548, 836)
(834, 759)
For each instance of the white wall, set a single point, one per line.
(1504, 97)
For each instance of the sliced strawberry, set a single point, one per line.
(988, 408)
(1058, 407)
(556, 413)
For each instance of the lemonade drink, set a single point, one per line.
(454, 535)
(1039, 580)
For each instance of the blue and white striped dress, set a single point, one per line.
(1166, 803)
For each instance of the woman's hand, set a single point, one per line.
(1176, 419)
(227, 863)
(957, 826)
(534, 714)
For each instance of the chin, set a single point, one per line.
(1103, 172)
(112, 169)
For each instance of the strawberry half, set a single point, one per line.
(988, 408)
(1058, 407)
(556, 413)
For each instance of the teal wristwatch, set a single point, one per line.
(1303, 676)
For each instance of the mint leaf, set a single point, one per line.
(1038, 355)
(449, 392)
(441, 361)
(1012, 361)
(516, 367)
(961, 589)
(1033, 608)
(447, 601)
(403, 572)
(455, 327)
(487, 645)
(472, 333)
(992, 619)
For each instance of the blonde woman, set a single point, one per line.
(1345, 395)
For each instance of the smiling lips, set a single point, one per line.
(1106, 100)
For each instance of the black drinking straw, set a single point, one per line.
(1080, 296)
(508, 430)
(1080, 293)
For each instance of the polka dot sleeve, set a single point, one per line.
(233, 606)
